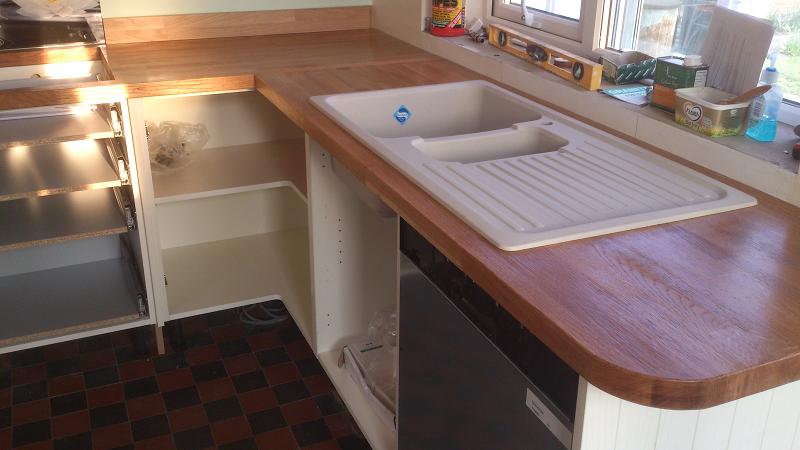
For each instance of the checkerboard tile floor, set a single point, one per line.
(221, 385)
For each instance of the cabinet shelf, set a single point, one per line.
(380, 435)
(58, 218)
(227, 170)
(56, 169)
(48, 304)
(228, 273)
(92, 124)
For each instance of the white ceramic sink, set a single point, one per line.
(522, 174)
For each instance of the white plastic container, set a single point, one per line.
(699, 109)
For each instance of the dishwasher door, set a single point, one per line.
(457, 389)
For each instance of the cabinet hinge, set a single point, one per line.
(123, 171)
(130, 217)
(116, 123)
(142, 305)
(166, 283)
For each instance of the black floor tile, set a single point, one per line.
(95, 343)
(5, 418)
(209, 371)
(67, 403)
(223, 317)
(290, 392)
(290, 334)
(195, 439)
(181, 398)
(223, 409)
(108, 415)
(101, 377)
(272, 356)
(30, 433)
(76, 442)
(150, 427)
(249, 381)
(311, 432)
(27, 357)
(329, 404)
(128, 354)
(198, 340)
(246, 444)
(309, 367)
(233, 348)
(353, 443)
(5, 378)
(29, 392)
(63, 367)
(268, 420)
(170, 362)
(141, 387)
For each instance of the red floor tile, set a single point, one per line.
(259, 400)
(106, 395)
(112, 436)
(135, 370)
(97, 360)
(61, 350)
(216, 389)
(5, 398)
(30, 412)
(66, 384)
(282, 373)
(157, 443)
(147, 406)
(241, 364)
(45, 445)
(187, 418)
(202, 355)
(339, 425)
(263, 341)
(29, 374)
(71, 424)
(5, 438)
(231, 430)
(300, 411)
(175, 379)
(299, 350)
(227, 332)
(318, 385)
(281, 439)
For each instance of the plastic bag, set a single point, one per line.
(381, 367)
(173, 144)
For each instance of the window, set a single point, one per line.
(560, 17)
(664, 27)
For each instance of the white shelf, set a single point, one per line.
(58, 218)
(228, 170)
(379, 435)
(56, 169)
(224, 274)
(70, 300)
(55, 129)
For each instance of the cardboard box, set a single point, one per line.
(628, 67)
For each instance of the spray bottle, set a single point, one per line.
(764, 110)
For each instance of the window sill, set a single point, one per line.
(767, 167)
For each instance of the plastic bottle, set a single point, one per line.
(764, 111)
(447, 17)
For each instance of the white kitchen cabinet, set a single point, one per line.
(230, 229)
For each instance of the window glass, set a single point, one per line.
(678, 27)
(570, 9)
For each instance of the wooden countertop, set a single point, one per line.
(684, 315)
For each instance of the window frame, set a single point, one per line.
(590, 40)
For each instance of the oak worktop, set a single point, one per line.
(684, 315)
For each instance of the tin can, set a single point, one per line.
(672, 74)
(448, 17)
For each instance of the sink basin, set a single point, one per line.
(519, 173)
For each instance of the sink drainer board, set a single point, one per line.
(521, 174)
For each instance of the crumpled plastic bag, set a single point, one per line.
(54, 8)
(173, 144)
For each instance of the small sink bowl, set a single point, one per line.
(434, 111)
(511, 143)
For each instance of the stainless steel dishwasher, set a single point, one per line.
(471, 377)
